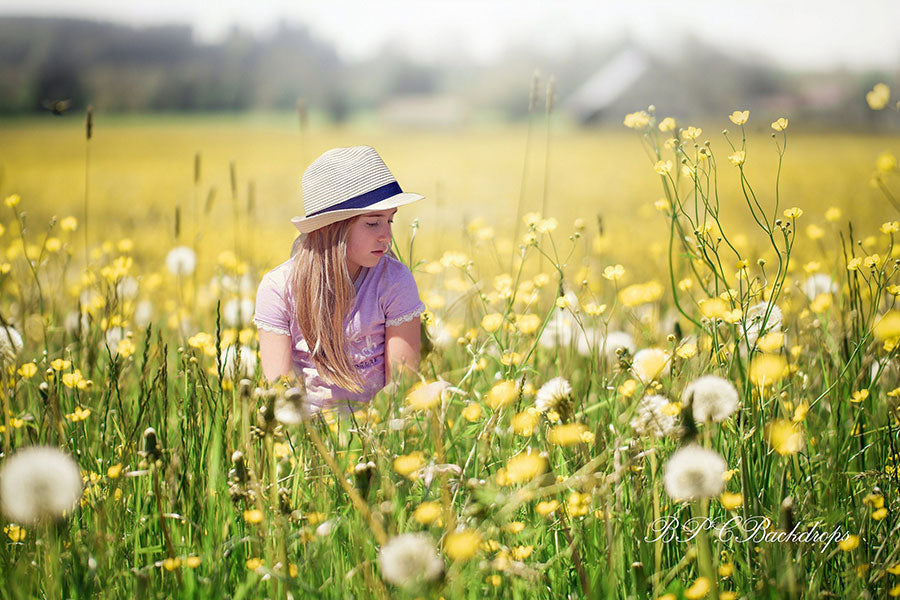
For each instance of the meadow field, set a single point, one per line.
(661, 362)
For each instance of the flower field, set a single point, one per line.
(661, 362)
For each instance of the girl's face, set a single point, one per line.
(370, 238)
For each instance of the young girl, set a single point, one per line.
(342, 311)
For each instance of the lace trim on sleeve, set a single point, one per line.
(404, 318)
(265, 327)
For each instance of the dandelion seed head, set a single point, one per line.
(181, 260)
(615, 340)
(755, 325)
(410, 558)
(694, 472)
(817, 284)
(653, 419)
(38, 483)
(238, 311)
(712, 398)
(551, 393)
(10, 345)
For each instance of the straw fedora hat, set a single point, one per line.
(345, 182)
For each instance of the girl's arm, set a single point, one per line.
(275, 354)
(401, 348)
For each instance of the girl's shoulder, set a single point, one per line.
(390, 271)
(278, 275)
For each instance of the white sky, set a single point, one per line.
(794, 33)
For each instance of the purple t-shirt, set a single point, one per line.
(386, 295)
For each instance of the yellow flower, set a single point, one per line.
(253, 516)
(114, 471)
(731, 501)
(780, 124)
(578, 504)
(853, 264)
(528, 324)
(523, 467)
(53, 244)
(472, 412)
(125, 348)
(737, 159)
(874, 500)
(59, 364)
(667, 124)
(562, 302)
(15, 532)
(426, 397)
(427, 512)
(833, 214)
(28, 370)
(698, 589)
(462, 545)
(890, 227)
(879, 513)
(886, 162)
(514, 527)
(888, 326)
(767, 369)
(627, 388)
(254, 563)
(546, 225)
(547, 507)
(663, 167)
(771, 342)
(640, 293)
(501, 394)
(793, 213)
(594, 310)
(522, 552)
(492, 322)
(12, 200)
(613, 272)
(409, 465)
(725, 570)
(524, 422)
(879, 96)
(784, 436)
(637, 120)
(739, 117)
(80, 413)
(713, 308)
(567, 434)
(71, 380)
(69, 224)
(691, 133)
(170, 564)
(192, 561)
(858, 396)
(849, 543)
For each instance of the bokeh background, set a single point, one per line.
(205, 115)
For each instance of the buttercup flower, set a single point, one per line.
(38, 483)
(410, 558)
(780, 124)
(712, 398)
(694, 472)
(879, 96)
(739, 117)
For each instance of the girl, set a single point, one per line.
(343, 311)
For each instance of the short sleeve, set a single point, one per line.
(272, 312)
(400, 299)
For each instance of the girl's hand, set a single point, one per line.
(401, 349)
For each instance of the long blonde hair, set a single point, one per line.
(323, 295)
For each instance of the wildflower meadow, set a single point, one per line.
(658, 362)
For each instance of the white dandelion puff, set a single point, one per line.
(756, 328)
(653, 419)
(181, 260)
(247, 366)
(71, 322)
(615, 340)
(238, 312)
(817, 284)
(143, 313)
(712, 398)
(37, 483)
(127, 288)
(551, 393)
(694, 472)
(410, 558)
(10, 345)
(293, 408)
